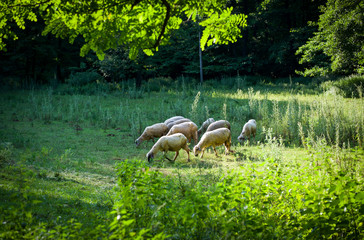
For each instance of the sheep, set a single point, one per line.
(218, 124)
(172, 143)
(182, 120)
(249, 129)
(214, 138)
(189, 129)
(205, 125)
(172, 119)
(155, 131)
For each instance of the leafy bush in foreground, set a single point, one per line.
(274, 202)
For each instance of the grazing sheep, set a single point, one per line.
(172, 119)
(205, 125)
(218, 124)
(172, 143)
(214, 138)
(189, 129)
(182, 120)
(249, 129)
(155, 131)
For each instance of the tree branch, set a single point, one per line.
(168, 16)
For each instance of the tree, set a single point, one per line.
(338, 45)
(34, 59)
(106, 24)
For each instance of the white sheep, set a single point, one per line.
(172, 143)
(155, 131)
(182, 120)
(189, 129)
(218, 124)
(204, 126)
(172, 119)
(214, 138)
(249, 129)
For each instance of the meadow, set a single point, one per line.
(70, 168)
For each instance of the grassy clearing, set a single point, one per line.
(59, 153)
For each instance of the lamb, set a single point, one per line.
(214, 138)
(172, 119)
(249, 129)
(172, 143)
(205, 125)
(182, 120)
(189, 129)
(155, 131)
(218, 124)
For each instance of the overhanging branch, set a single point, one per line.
(165, 22)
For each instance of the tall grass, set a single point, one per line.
(292, 117)
(334, 118)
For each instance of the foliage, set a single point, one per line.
(351, 86)
(275, 201)
(83, 78)
(335, 48)
(274, 32)
(142, 25)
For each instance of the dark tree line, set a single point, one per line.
(276, 30)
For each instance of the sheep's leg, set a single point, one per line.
(188, 156)
(175, 156)
(227, 148)
(167, 157)
(215, 151)
(203, 151)
(187, 151)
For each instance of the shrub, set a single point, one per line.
(83, 78)
(5, 153)
(158, 83)
(351, 86)
(275, 202)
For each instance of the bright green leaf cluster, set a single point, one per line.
(106, 24)
(222, 28)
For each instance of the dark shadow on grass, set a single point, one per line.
(243, 157)
(53, 210)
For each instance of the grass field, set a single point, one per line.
(69, 166)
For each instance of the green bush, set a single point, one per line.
(5, 153)
(158, 83)
(276, 202)
(351, 86)
(83, 78)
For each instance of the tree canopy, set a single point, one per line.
(338, 45)
(105, 24)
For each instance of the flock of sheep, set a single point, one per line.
(175, 132)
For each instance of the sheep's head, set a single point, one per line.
(137, 142)
(196, 150)
(150, 157)
(241, 137)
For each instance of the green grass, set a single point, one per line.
(59, 154)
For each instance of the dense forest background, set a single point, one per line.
(282, 39)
